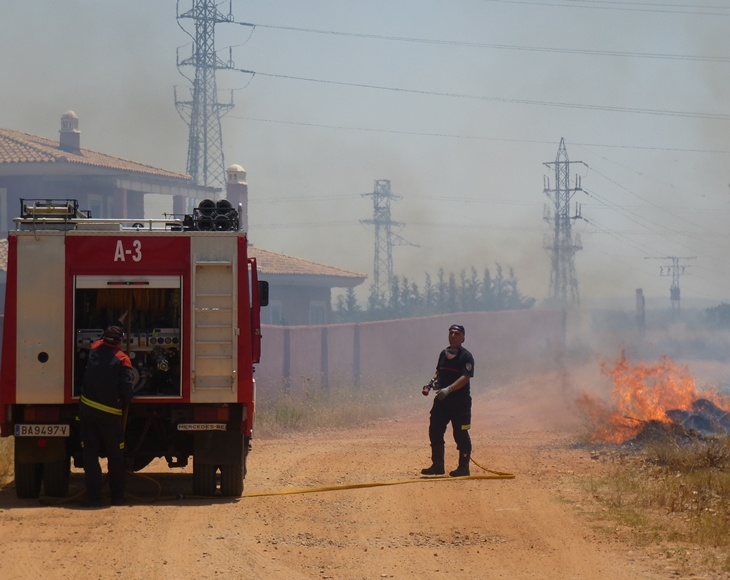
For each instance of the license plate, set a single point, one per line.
(41, 430)
(201, 426)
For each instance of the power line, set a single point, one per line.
(640, 248)
(652, 4)
(635, 110)
(655, 205)
(618, 8)
(476, 138)
(343, 197)
(610, 53)
(619, 209)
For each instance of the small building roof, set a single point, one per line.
(17, 147)
(300, 272)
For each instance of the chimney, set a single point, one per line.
(237, 192)
(70, 139)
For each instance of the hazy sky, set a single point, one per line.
(473, 187)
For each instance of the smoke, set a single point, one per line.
(114, 64)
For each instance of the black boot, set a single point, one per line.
(463, 468)
(437, 460)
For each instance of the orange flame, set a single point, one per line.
(642, 393)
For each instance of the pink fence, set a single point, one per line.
(296, 358)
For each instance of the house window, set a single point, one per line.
(317, 312)
(96, 206)
(275, 311)
(4, 221)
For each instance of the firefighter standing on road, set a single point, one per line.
(107, 389)
(452, 404)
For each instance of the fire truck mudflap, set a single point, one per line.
(192, 334)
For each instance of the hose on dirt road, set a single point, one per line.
(159, 497)
(491, 474)
(494, 475)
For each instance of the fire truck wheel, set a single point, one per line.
(56, 477)
(28, 479)
(204, 480)
(232, 480)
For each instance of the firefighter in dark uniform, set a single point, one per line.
(107, 389)
(452, 404)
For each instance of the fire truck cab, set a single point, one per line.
(192, 333)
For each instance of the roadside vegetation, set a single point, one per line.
(335, 408)
(672, 492)
(6, 458)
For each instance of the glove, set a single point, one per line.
(441, 394)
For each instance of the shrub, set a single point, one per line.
(6, 458)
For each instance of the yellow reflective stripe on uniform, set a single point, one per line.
(105, 408)
(121, 445)
(466, 427)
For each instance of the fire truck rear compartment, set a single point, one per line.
(152, 334)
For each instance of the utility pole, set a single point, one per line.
(562, 244)
(203, 112)
(385, 237)
(675, 270)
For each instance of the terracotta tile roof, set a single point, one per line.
(269, 262)
(19, 147)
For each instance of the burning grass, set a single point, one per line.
(671, 492)
(659, 396)
(669, 480)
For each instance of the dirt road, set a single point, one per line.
(534, 526)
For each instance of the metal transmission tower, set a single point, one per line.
(203, 112)
(562, 244)
(675, 271)
(385, 237)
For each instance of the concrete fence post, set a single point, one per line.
(356, 354)
(324, 360)
(286, 366)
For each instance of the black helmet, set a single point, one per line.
(113, 335)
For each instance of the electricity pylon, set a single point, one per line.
(203, 112)
(562, 244)
(385, 237)
(675, 270)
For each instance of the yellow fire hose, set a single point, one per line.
(495, 475)
(159, 497)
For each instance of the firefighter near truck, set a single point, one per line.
(192, 335)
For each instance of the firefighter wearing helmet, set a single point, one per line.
(106, 390)
(452, 404)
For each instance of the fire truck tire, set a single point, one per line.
(28, 479)
(56, 476)
(204, 480)
(232, 480)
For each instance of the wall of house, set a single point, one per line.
(96, 194)
(297, 358)
(295, 304)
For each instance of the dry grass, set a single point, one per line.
(329, 409)
(6, 458)
(672, 492)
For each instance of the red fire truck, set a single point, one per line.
(192, 334)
